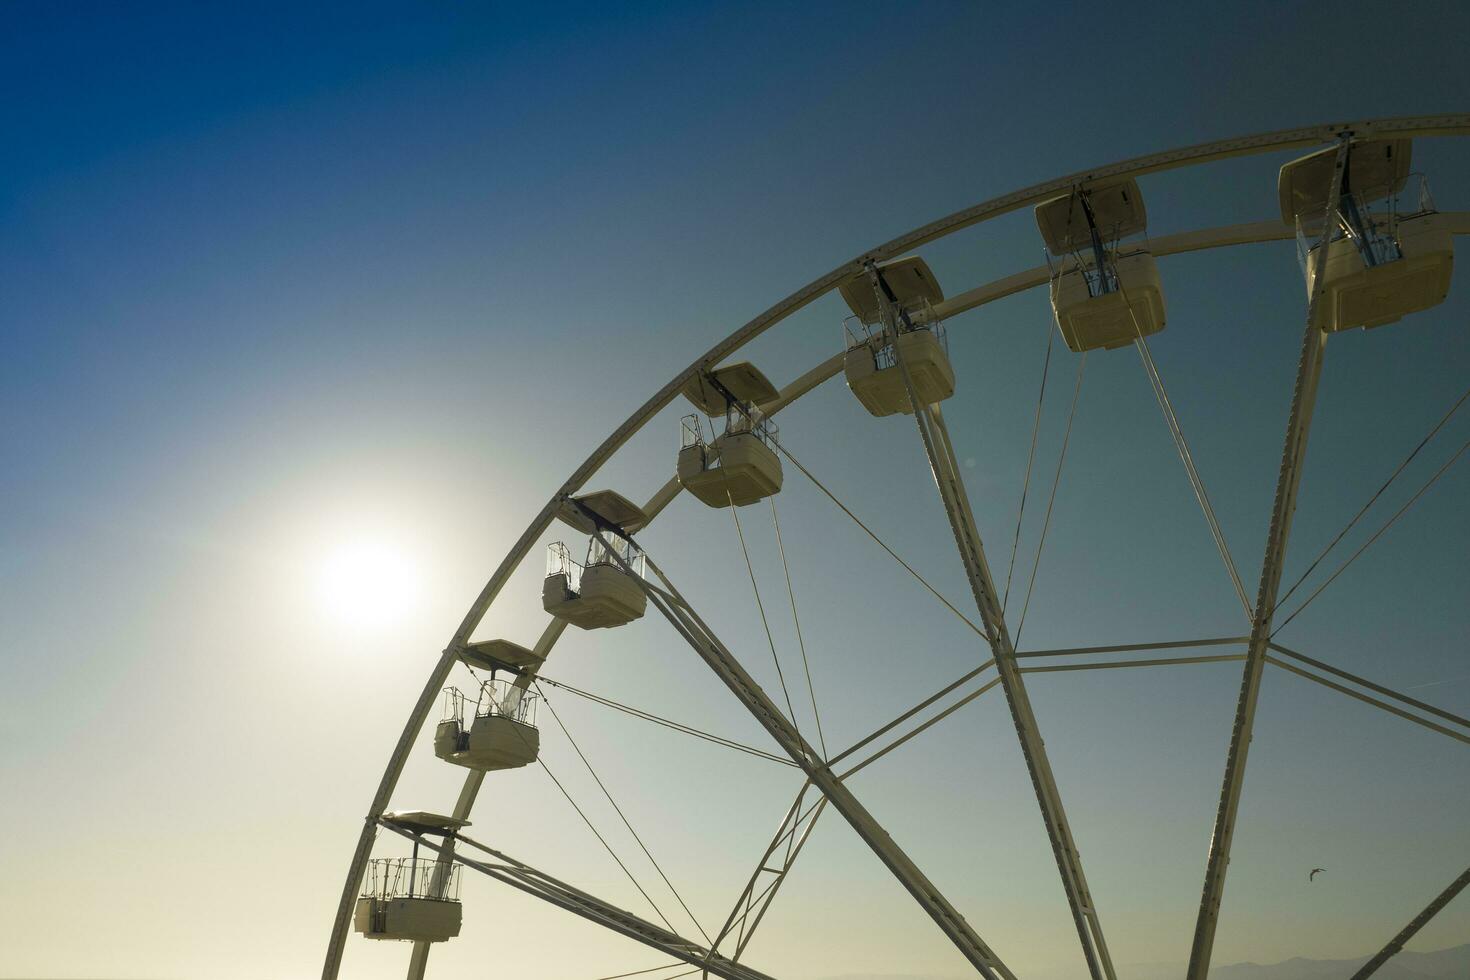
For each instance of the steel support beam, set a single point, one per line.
(1430, 911)
(539, 884)
(946, 471)
(1288, 481)
(718, 657)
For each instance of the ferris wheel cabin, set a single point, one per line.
(501, 734)
(1105, 294)
(1380, 265)
(412, 899)
(894, 327)
(597, 593)
(737, 467)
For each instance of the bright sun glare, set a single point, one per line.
(367, 584)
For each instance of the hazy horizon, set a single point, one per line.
(1134, 970)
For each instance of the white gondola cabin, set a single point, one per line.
(409, 899)
(1381, 265)
(738, 466)
(596, 595)
(501, 734)
(1104, 294)
(893, 320)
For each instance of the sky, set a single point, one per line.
(307, 309)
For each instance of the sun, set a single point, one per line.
(367, 584)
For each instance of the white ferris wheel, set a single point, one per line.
(1374, 250)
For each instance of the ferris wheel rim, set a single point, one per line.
(1194, 155)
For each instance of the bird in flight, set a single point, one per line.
(1312, 875)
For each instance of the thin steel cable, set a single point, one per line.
(879, 541)
(1182, 446)
(621, 815)
(791, 593)
(740, 532)
(1030, 459)
(1376, 535)
(771, 438)
(1056, 481)
(639, 973)
(602, 840)
(606, 846)
(666, 722)
(770, 639)
(1373, 499)
(1171, 419)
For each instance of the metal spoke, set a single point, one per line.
(947, 477)
(1293, 454)
(1430, 911)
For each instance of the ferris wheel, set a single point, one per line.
(1374, 250)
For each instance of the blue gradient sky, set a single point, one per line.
(276, 281)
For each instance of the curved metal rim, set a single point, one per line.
(1452, 124)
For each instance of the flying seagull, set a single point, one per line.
(1312, 875)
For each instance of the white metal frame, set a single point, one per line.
(1448, 124)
